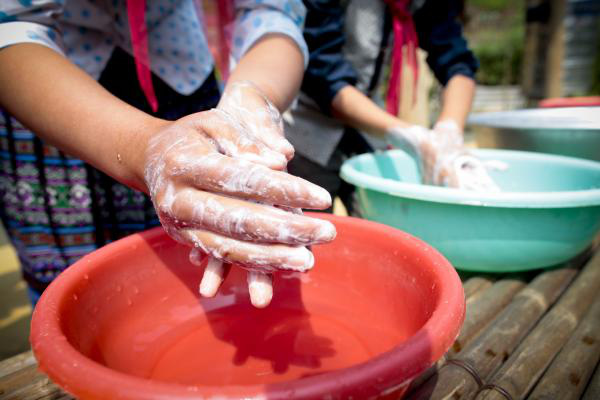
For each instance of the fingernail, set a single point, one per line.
(260, 287)
(325, 232)
(321, 199)
(301, 259)
(269, 159)
(212, 278)
(287, 149)
(196, 256)
(277, 160)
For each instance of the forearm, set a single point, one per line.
(457, 99)
(67, 108)
(352, 107)
(275, 65)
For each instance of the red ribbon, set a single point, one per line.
(218, 30)
(218, 26)
(136, 12)
(404, 35)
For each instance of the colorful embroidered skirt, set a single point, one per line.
(56, 208)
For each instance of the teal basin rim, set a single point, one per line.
(559, 118)
(558, 199)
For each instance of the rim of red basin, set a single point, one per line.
(408, 359)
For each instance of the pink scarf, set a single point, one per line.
(217, 31)
(218, 28)
(404, 35)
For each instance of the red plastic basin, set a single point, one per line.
(126, 322)
(588, 101)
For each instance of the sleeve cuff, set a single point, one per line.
(30, 32)
(251, 25)
(458, 69)
(330, 95)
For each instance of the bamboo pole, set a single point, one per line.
(425, 376)
(16, 380)
(16, 363)
(476, 285)
(482, 309)
(570, 371)
(593, 390)
(495, 344)
(522, 370)
(40, 388)
(473, 287)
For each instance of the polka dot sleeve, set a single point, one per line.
(255, 19)
(30, 32)
(28, 21)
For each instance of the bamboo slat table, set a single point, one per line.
(525, 336)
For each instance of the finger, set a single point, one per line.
(247, 103)
(293, 210)
(244, 179)
(213, 277)
(260, 287)
(439, 165)
(471, 174)
(245, 220)
(197, 257)
(267, 126)
(262, 257)
(234, 140)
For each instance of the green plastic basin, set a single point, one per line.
(548, 210)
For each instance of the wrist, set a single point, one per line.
(447, 124)
(450, 130)
(406, 130)
(244, 89)
(407, 137)
(131, 154)
(392, 123)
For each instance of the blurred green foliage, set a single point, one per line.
(496, 34)
(489, 5)
(500, 58)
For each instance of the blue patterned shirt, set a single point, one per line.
(87, 31)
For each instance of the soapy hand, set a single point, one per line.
(443, 159)
(218, 186)
(245, 103)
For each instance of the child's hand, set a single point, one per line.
(215, 187)
(442, 157)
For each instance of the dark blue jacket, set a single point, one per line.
(438, 30)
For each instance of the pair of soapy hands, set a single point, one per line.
(442, 156)
(218, 182)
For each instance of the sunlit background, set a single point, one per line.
(529, 50)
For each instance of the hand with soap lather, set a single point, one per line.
(217, 181)
(442, 156)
